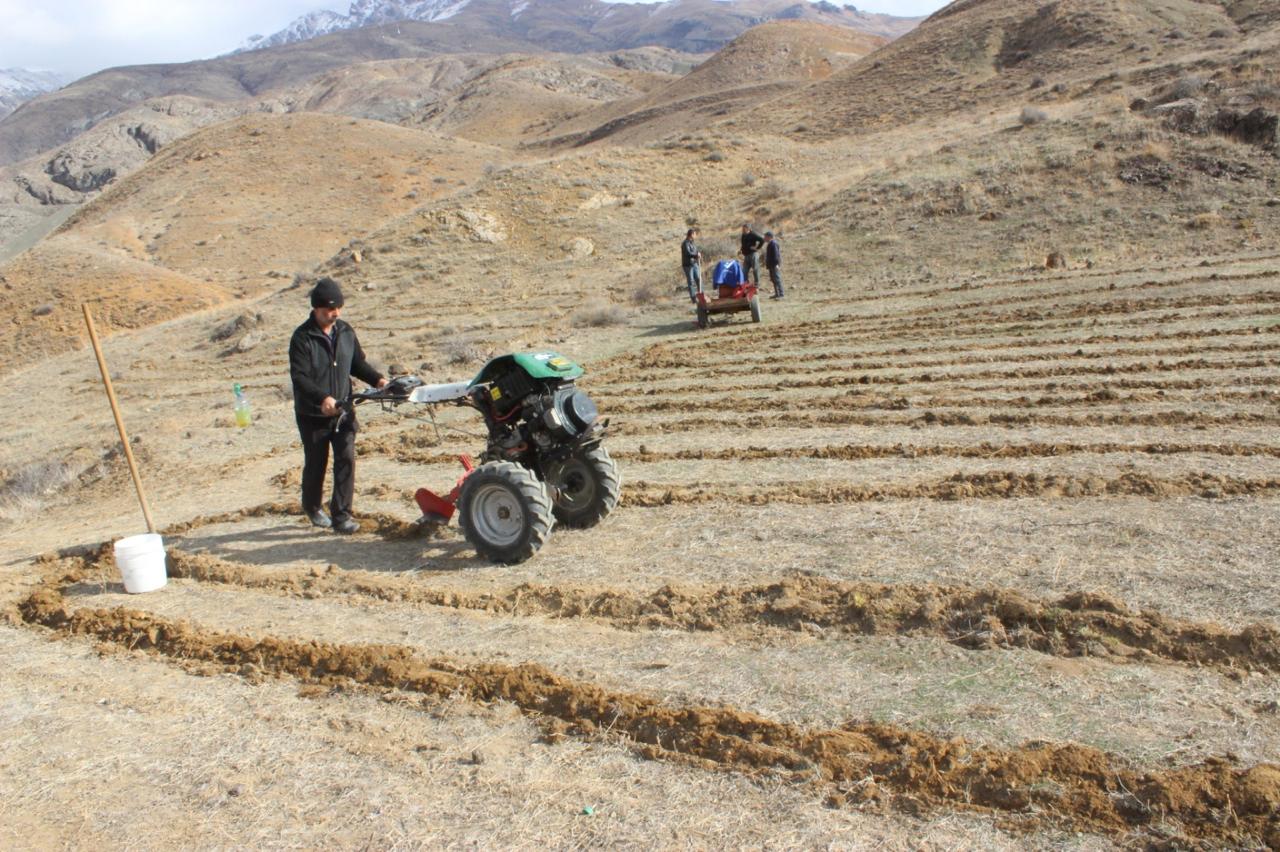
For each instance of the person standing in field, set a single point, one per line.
(751, 243)
(773, 263)
(691, 262)
(324, 354)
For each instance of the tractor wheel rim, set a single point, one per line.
(575, 487)
(497, 515)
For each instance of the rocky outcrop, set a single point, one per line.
(43, 192)
(145, 136)
(77, 175)
(1256, 127)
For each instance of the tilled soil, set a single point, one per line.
(1081, 624)
(861, 762)
(1033, 511)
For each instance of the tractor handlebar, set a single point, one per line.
(395, 392)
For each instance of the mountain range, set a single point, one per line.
(479, 26)
(18, 85)
(683, 24)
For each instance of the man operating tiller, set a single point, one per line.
(324, 354)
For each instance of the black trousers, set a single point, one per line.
(751, 267)
(318, 435)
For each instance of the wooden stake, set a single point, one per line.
(115, 411)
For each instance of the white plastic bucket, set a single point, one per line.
(141, 561)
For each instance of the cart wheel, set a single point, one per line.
(702, 317)
(505, 512)
(755, 308)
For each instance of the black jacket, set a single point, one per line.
(689, 253)
(319, 369)
(772, 254)
(751, 242)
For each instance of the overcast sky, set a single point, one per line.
(78, 37)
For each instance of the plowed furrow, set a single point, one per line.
(802, 420)
(948, 317)
(1032, 299)
(863, 402)
(862, 379)
(989, 285)
(994, 485)
(1065, 281)
(831, 360)
(709, 347)
(984, 450)
(657, 356)
(858, 452)
(861, 762)
(991, 323)
(972, 311)
(931, 382)
(1075, 625)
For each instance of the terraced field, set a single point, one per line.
(981, 562)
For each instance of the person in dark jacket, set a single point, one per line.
(691, 262)
(773, 263)
(324, 354)
(751, 242)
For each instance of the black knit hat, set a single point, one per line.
(326, 294)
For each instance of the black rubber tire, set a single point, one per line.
(755, 308)
(585, 488)
(505, 512)
(702, 316)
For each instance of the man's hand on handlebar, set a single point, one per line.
(383, 382)
(330, 407)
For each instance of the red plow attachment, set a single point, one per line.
(434, 506)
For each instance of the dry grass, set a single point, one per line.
(1032, 115)
(461, 350)
(29, 487)
(599, 314)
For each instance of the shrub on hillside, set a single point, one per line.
(773, 188)
(599, 315)
(647, 294)
(1032, 115)
(25, 488)
(1187, 86)
(460, 350)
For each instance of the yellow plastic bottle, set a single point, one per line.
(243, 415)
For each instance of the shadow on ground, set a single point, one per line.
(292, 543)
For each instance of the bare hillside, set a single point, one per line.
(234, 210)
(978, 56)
(758, 65)
(492, 99)
(481, 26)
(460, 94)
(986, 53)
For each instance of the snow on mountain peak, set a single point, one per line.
(362, 13)
(22, 84)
